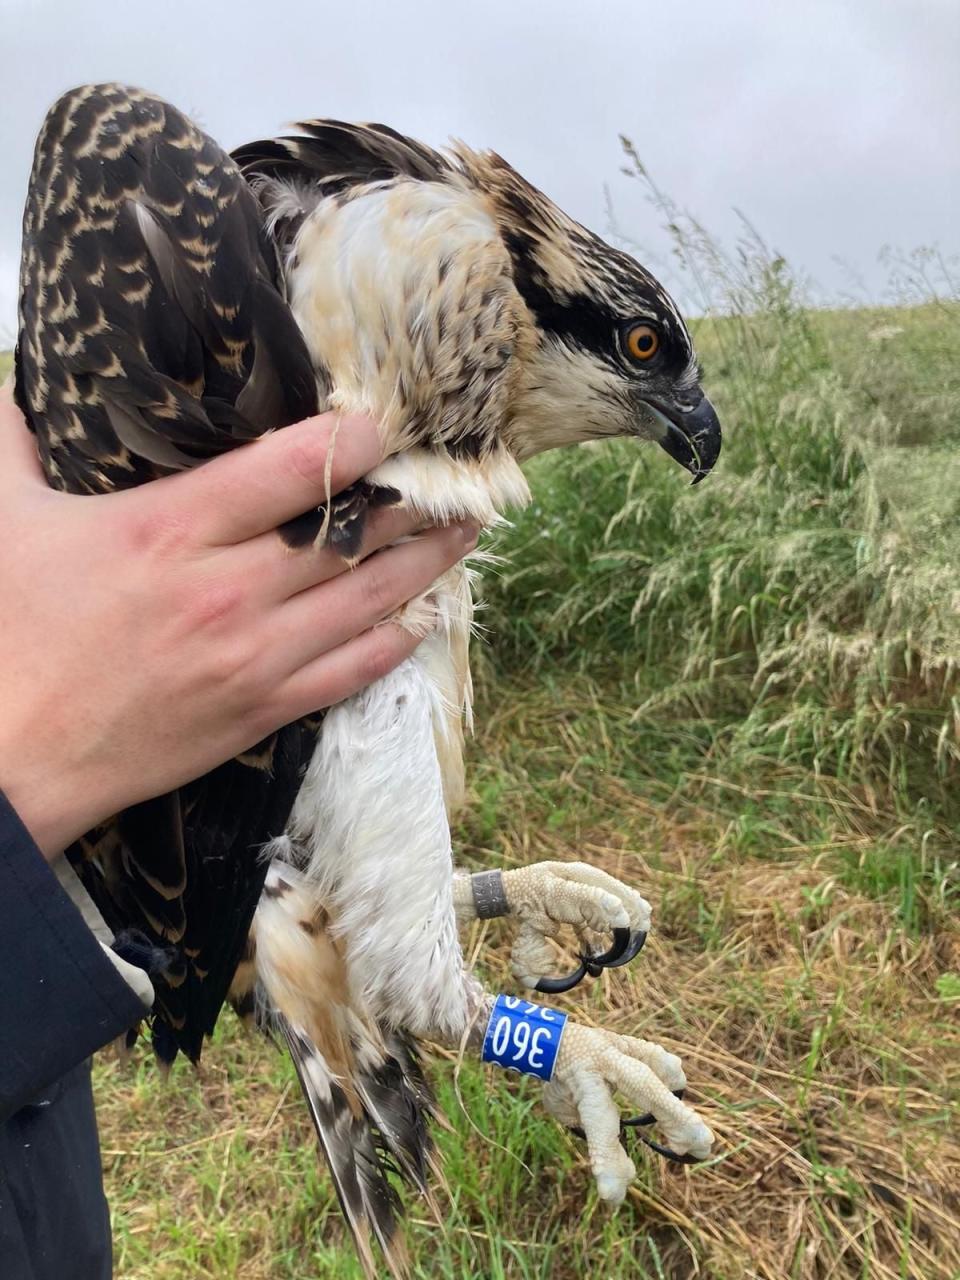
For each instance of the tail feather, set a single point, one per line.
(368, 1097)
(401, 1104)
(357, 1167)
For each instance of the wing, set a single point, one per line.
(153, 331)
(336, 155)
(291, 174)
(154, 334)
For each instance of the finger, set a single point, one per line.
(612, 1168)
(330, 614)
(19, 461)
(684, 1131)
(260, 485)
(342, 672)
(282, 572)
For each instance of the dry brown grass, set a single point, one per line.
(813, 1040)
(811, 1032)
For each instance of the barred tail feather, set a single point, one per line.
(357, 1165)
(400, 1102)
(368, 1098)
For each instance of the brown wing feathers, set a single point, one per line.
(154, 333)
(367, 1095)
(334, 156)
(150, 312)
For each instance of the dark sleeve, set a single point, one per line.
(60, 997)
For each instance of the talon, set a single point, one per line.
(667, 1153)
(553, 986)
(630, 950)
(636, 1122)
(624, 948)
(608, 959)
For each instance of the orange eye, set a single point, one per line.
(642, 341)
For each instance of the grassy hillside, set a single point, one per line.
(796, 616)
(742, 698)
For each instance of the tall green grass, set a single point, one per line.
(800, 610)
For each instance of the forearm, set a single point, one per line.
(61, 997)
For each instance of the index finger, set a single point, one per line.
(260, 485)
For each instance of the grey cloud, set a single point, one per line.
(833, 125)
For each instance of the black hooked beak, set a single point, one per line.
(691, 432)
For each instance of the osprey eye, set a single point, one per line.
(642, 341)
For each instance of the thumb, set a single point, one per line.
(19, 461)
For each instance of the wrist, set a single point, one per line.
(48, 805)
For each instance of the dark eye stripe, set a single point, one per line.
(593, 323)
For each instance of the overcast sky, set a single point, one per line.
(833, 124)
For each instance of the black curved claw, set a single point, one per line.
(661, 1150)
(631, 1122)
(611, 957)
(552, 986)
(673, 1156)
(636, 1122)
(629, 951)
(623, 949)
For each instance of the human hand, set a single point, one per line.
(151, 634)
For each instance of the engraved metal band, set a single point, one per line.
(489, 899)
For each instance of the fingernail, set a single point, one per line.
(470, 534)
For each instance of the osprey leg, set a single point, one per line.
(584, 1067)
(548, 895)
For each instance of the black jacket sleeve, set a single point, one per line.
(60, 996)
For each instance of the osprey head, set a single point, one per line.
(612, 354)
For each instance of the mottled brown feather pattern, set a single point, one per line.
(441, 293)
(154, 333)
(519, 345)
(366, 1095)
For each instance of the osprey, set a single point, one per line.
(176, 303)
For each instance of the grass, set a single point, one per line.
(815, 1028)
(743, 699)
